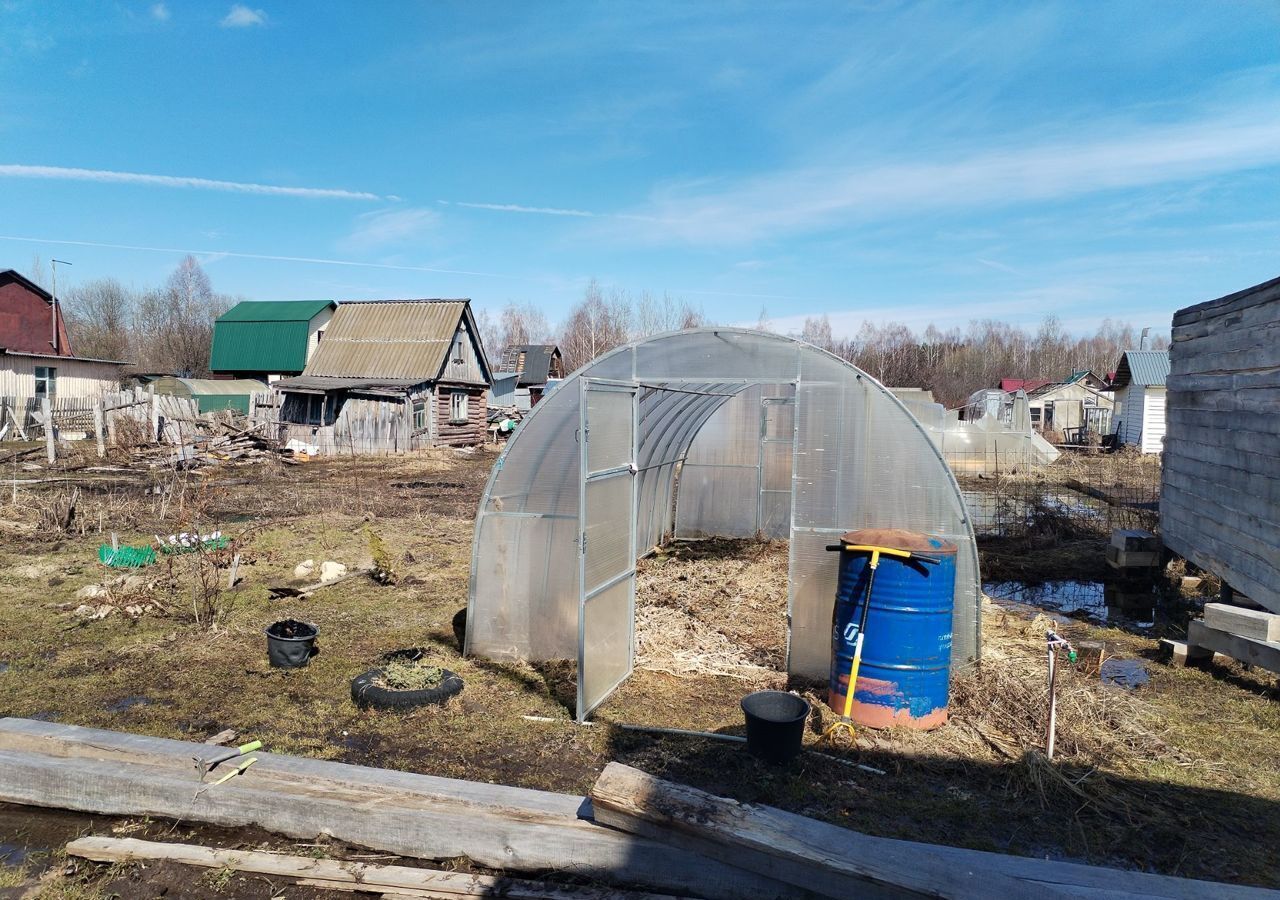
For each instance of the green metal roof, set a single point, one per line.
(1148, 368)
(275, 310)
(264, 336)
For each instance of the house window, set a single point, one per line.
(1035, 415)
(458, 407)
(457, 347)
(419, 415)
(46, 381)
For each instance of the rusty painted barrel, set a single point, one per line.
(904, 677)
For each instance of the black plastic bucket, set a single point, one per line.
(775, 725)
(290, 644)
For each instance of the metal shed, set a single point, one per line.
(711, 431)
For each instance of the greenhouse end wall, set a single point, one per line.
(736, 433)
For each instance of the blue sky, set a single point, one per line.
(880, 160)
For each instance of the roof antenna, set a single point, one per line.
(53, 264)
(1142, 341)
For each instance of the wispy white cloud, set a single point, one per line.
(60, 173)
(814, 197)
(221, 254)
(160, 12)
(241, 16)
(997, 265)
(517, 208)
(546, 210)
(384, 227)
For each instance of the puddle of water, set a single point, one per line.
(127, 703)
(1099, 601)
(1125, 673)
(4, 666)
(1064, 596)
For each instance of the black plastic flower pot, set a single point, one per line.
(291, 644)
(775, 725)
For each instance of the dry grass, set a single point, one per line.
(1180, 776)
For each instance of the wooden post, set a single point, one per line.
(98, 436)
(155, 416)
(1053, 706)
(46, 409)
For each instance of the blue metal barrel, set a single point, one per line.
(904, 677)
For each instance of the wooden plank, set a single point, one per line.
(694, 812)
(834, 861)
(512, 829)
(334, 873)
(1256, 653)
(1250, 623)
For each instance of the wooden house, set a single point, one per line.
(535, 366)
(36, 358)
(391, 376)
(1139, 388)
(1220, 496)
(268, 340)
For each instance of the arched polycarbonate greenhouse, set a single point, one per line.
(707, 432)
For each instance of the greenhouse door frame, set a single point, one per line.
(606, 557)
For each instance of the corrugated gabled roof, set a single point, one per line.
(1148, 368)
(392, 339)
(275, 310)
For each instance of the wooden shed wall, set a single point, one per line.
(1220, 498)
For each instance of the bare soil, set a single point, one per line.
(1181, 775)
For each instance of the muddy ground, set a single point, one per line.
(1180, 775)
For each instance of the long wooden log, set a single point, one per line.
(841, 863)
(422, 816)
(336, 874)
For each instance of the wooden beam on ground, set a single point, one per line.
(1247, 650)
(1249, 623)
(422, 816)
(344, 875)
(1182, 654)
(840, 863)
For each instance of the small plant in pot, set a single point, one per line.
(406, 678)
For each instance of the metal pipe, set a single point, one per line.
(710, 735)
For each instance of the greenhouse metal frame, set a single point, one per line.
(707, 432)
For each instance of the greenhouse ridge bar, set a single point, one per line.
(710, 432)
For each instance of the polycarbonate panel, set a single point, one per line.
(775, 514)
(814, 570)
(607, 654)
(775, 461)
(527, 580)
(717, 501)
(610, 429)
(608, 529)
(716, 355)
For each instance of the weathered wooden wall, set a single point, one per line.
(458, 434)
(1220, 498)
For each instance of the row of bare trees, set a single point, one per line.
(600, 321)
(952, 363)
(163, 329)
(957, 362)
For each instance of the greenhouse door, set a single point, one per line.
(606, 539)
